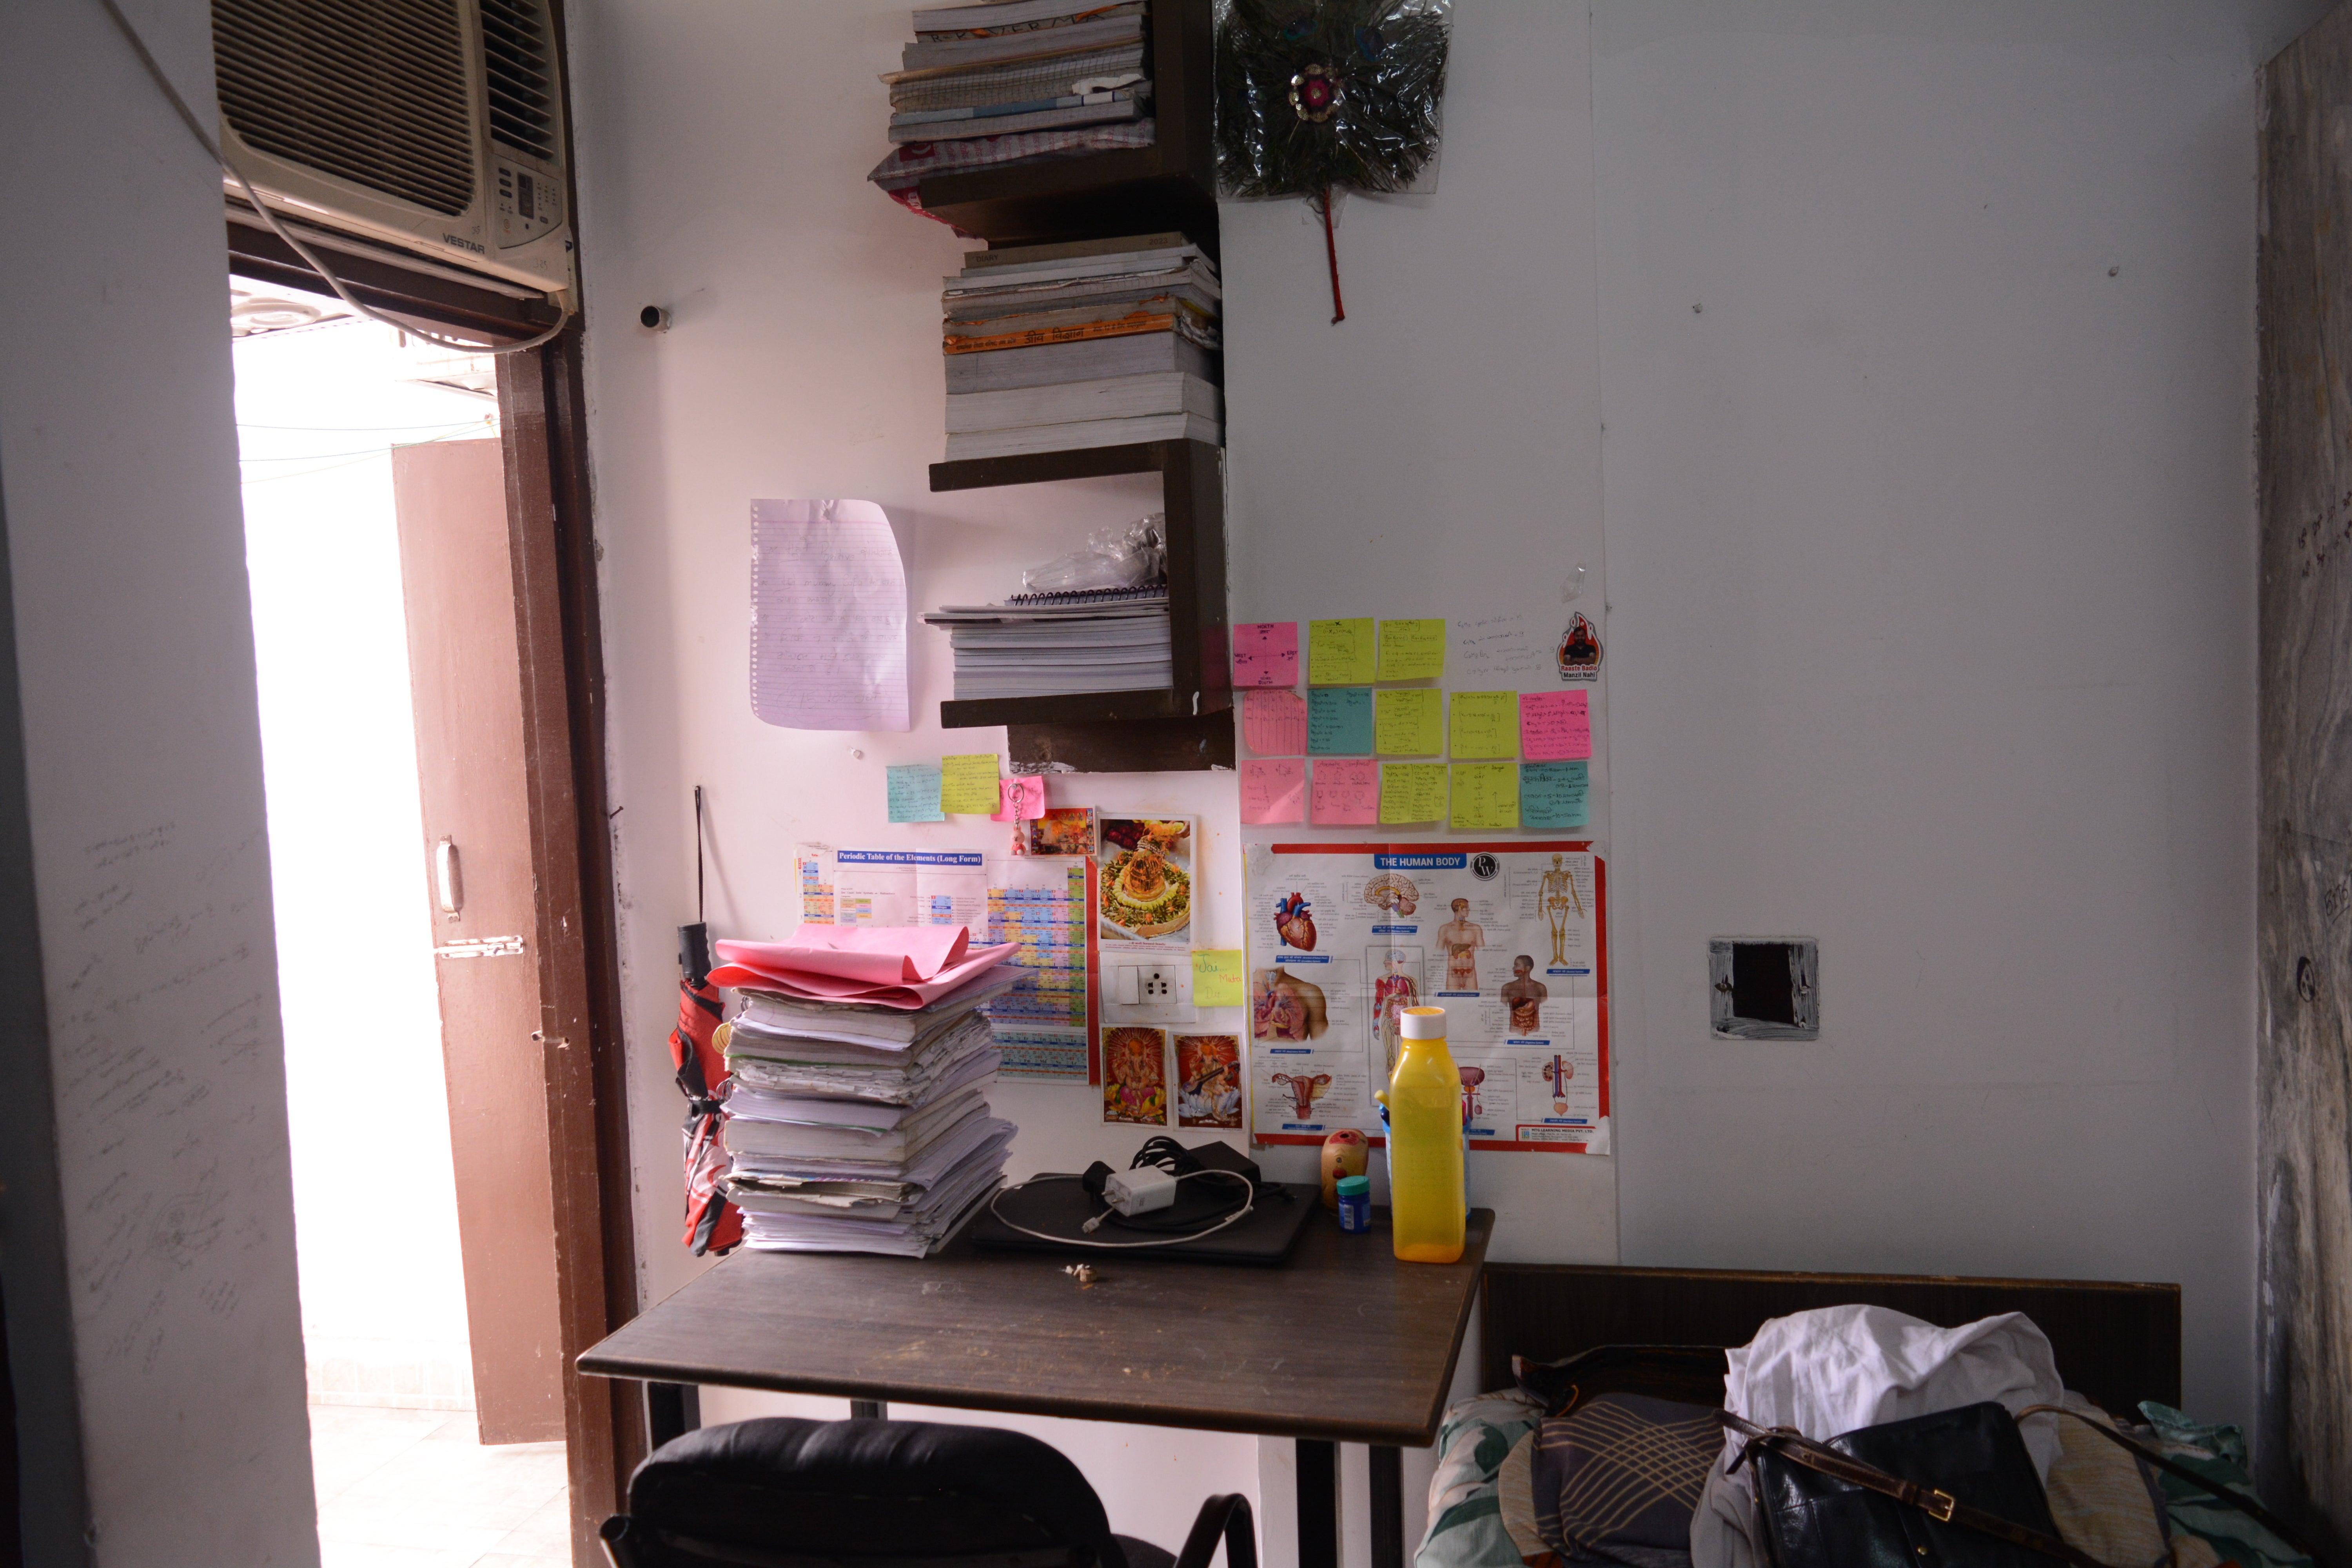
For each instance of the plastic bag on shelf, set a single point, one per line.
(1132, 556)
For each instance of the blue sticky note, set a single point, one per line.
(915, 792)
(1340, 722)
(1553, 794)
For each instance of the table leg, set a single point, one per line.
(672, 1410)
(1387, 1508)
(1319, 1504)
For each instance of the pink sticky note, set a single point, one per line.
(1024, 800)
(1274, 723)
(1346, 791)
(1555, 726)
(1274, 790)
(1265, 653)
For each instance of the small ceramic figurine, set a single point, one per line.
(1345, 1154)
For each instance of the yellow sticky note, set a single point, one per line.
(1485, 797)
(1339, 653)
(968, 786)
(1413, 650)
(1409, 723)
(1216, 977)
(1485, 724)
(1412, 792)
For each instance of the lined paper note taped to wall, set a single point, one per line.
(828, 616)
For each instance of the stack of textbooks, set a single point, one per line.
(855, 1128)
(1093, 342)
(1013, 80)
(1049, 645)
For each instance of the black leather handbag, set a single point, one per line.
(1955, 1490)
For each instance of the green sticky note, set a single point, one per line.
(1216, 977)
(915, 793)
(1339, 653)
(1555, 794)
(1412, 792)
(1413, 650)
(1340, 722)
(1486, 723)
(1409, 723)
(1485, 797)
(968, 786)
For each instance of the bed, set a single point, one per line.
(2117, 1343)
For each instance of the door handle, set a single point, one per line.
(449, 886)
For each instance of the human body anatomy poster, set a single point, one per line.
(1510, 938)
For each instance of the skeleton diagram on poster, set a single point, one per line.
(1509, 937)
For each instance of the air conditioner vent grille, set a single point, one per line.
(517, 54)
(371, 91)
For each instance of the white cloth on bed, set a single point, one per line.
(1828, 1371)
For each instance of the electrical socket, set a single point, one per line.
(1155, 987)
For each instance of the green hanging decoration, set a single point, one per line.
(1315, 96)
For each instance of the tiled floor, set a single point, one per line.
(412, 1489)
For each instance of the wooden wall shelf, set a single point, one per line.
(1171, 185)
(1199, 695)
(1168, 187)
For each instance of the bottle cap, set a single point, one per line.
(1355, 1187)
(1422, 1024)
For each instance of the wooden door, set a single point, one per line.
(465, 679)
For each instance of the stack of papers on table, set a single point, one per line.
(858, 1069)
(1048, 644)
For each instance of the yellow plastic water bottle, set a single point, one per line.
(1425, 1101)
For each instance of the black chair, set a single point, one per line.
(777, 1493)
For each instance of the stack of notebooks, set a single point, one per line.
(1089, 343)
(1013, 80)
(1050, 645)
(863, 1127)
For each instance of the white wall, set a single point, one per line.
(143, 764)
(1949, 667)
(1927, 350)
(723, 149)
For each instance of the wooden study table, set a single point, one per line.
(1341, 1344)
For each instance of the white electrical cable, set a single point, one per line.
(1240, 1214)
(214, 152)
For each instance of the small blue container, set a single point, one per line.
(1355, 1203)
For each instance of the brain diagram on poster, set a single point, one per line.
(1509, 937)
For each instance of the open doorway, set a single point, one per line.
(392, 728)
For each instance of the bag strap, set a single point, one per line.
(2215, 1489)
(1937, 1505)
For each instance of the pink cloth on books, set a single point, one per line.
(889, 967)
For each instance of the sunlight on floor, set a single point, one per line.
(412, 1489)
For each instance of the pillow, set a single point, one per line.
(1466, 1526)
(2100, 1494)
(1515, 1490)
(1618, 1478)
(1687, 1374)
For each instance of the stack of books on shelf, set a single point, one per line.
(1014, 82)
(1094, 343)
(1051, 644)
(853, 1127)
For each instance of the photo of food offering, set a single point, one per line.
(1144, 880)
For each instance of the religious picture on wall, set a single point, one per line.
(1144, 880)
(1208, 1081)
(1135, 1076)
(1284, 1007)
(1461, 937)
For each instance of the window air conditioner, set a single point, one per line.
(436, 125)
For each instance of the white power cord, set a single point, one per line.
(1248, 1203)
(214, 152)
